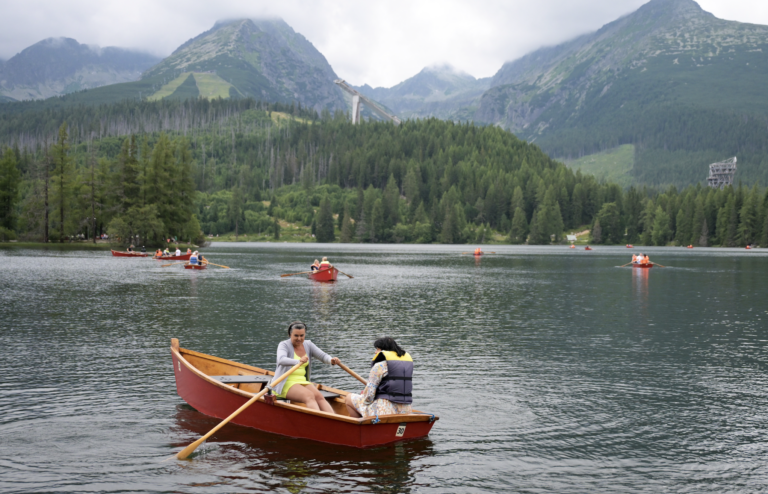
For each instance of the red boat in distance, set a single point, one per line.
(643, 265)
(326, 274)
(217, 387)
(183, 257)
(630, 246)
(118, 253)
(587, 248)
(195, 266)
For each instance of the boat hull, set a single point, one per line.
(195, 266)
(219, 400)
(329, 274)
(117, 253)
(647, 265)
(183, 257)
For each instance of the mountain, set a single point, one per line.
(682, 86)
(263, 59)
(57, 66)
(439, 91)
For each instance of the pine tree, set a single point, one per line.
(325, 233)
(10, 179)
(62, 179)
(519, 230)
(597, 232)
(235, 209)
(347, 229)
(661, 229)
(610, 223)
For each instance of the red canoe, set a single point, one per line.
(195, 266)
(217, 387)
(183, 257)
(118, 253)
(327, 274)
(643, 265)
(587, 248)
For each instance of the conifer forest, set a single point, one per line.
(143, 172)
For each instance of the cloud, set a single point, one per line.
(379, 43)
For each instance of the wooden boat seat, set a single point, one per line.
(263, 379)
(259, 379)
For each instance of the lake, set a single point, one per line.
(551, 369)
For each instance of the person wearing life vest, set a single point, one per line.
(166, 252)
(325, 264)
(193, 258)
(478, 252)
(390, 383)
(636, 258)
(315, 266)
(189, 251)
(158, 253)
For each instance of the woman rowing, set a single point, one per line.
(297, 386)
(389, 386)
(315, 266)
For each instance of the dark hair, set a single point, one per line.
(387, 343)
(295, 325)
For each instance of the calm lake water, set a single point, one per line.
(552, 370)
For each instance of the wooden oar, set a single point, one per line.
(627, 264)
(294, 274)
(352, 373)
(189, 449)
(480, 253)
(219, 265)
(659, 265)
(171, 264)
(345, 274)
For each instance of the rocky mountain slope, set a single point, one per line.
(57, 66)
(681, 85)
(439, 91)
(263, 59)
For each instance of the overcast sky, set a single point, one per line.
(380, 43)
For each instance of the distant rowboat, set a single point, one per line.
(327, 274)
(118, 253)
(195, 266)
(643, 265)
(183, 257)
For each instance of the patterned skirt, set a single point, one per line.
(378, 407)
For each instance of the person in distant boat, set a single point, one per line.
(158, 253)
(297, 386)
(202, 260)
(478, 252)
(315, 265)
(635, 258)
(325, 264)
(178, 251)
(166, 252)
(130, 248)
(389, 386)
(193, 258)
(143, 249)
(189, 251)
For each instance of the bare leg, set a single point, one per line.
(351, 408)
(310, 396)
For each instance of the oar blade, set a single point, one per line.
(184, 453)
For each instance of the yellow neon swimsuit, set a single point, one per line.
(299, 376)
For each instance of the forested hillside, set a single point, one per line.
(178, 169)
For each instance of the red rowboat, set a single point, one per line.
(327, 274)
(217, 387)
(643, 265)
(195, 266)
(118, 253)
(183, 257)
(587, 248)
(630, 246)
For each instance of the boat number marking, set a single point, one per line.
(179, 366)
(400, 431)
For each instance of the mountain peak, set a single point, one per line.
(261, 58)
